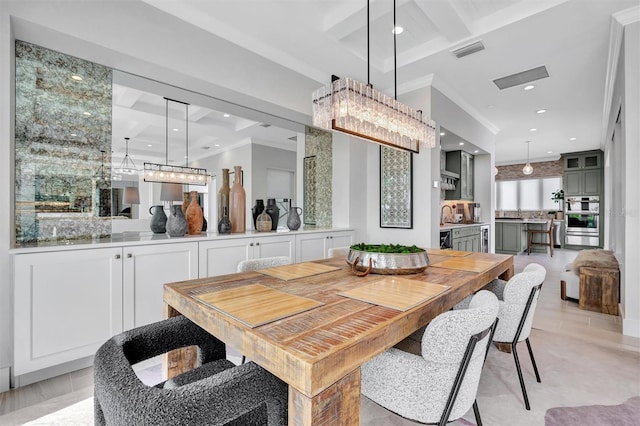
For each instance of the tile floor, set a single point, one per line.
(582, 356)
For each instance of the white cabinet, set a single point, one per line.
(222, 256)
(146, 270)
(66, 304)
(315, 246)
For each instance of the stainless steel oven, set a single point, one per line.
(583, 221)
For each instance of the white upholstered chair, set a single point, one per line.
(338, 252)
(263, 263)
(518, 299)
(440, 384)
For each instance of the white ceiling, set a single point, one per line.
(317, 38)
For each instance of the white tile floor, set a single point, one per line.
(582, 356)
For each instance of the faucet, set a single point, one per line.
(442, 221)
(520, 213)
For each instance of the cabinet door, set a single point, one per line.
(591, 161)
(66, 305)
(277, 245)
(222, 256)
(512, 237)
(475, 243)
(467, 163)
(573, 183)
(572, 162)
(340, 239)
(498, 237)
(146, 270)
(311, 246)
(591, 182)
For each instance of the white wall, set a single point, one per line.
(263, 159)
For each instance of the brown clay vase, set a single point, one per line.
(237, 204)
(194, 215)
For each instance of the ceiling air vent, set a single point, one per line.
(468, 49)
(521, 77)
(294, 138)
(264, 125)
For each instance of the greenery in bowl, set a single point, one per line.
(387, 248)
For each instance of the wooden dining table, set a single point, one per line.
(313, 324)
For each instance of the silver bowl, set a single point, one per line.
(388, 263)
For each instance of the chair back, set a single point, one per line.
(263, 263)
(518, 308)
(454, 347)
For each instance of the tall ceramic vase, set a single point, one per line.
(176, 223)
(293, 220)
(223, 195)
(195, 218)
(237, 203)
(158, 222)
(273, 211)
(257, 209)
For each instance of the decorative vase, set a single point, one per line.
(237, 203)
(185, 203)
(293, 221)
(257, 209)
(223, 195)
(204, 223)
(263, 222)
(274, 212)
(224, 226)
(176, 223)
(194, 215)
(158, 222)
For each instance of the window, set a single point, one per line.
(527, 194)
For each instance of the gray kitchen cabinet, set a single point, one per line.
(582, 160)
(498, 237)
(461, 163)
(583, 182)
(510, 237)
(466, 238)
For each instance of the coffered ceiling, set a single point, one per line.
(317, 38)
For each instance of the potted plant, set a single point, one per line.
(558, 198)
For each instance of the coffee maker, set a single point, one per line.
(474, 209)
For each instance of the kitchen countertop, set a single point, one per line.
(461, 225)
(523, 220)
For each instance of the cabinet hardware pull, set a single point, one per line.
(129, 255)
(251, 245)
(257, 244)
(117, 256)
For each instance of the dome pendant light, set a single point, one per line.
(527, 169)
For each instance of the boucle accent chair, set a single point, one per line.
(518, 300)
(423, 387)
(216, 393)
(262, 263)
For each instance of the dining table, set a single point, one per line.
(314, 324)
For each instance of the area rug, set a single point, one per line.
(78, 414)
(627, 413)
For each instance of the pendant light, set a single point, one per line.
(355, 108)
(527, 169)
(127, 167)
(166, 173)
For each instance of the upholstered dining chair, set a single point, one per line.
(338, 252)
(263, 263)
(440, 383)
(518, 299)
(216, 392)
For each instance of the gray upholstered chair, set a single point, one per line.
(338, 252)
(217, 392)
(440, 384)
(262, 263)
(518, 299)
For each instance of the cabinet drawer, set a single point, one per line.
(466, 232)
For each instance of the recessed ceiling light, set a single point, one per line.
(149, 145)
(86, 113)
(533, 129)
(549, 152)
(76, 78)
(461, 143)
(226, 115)
(442, 133)
(397, 30)
(572, 139)
(217, 144)
(175, 130)
(541, 111)
(476, 151)
(529, 87)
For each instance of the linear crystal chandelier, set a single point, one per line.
(356, 108)
(166, 173)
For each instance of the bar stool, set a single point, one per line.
(549, 242)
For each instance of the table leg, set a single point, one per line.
(181, 360)
(339, 404)
(508, 274)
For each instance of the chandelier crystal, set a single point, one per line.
(352, 107)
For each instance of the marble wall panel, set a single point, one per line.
(318, 144)
(62, 126)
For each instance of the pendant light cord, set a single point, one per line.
(186, 158)
(166, 132)
(368, 50)
(395, 63)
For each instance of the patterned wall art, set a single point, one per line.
(319, 144)
(396, 188)
(309, 180)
